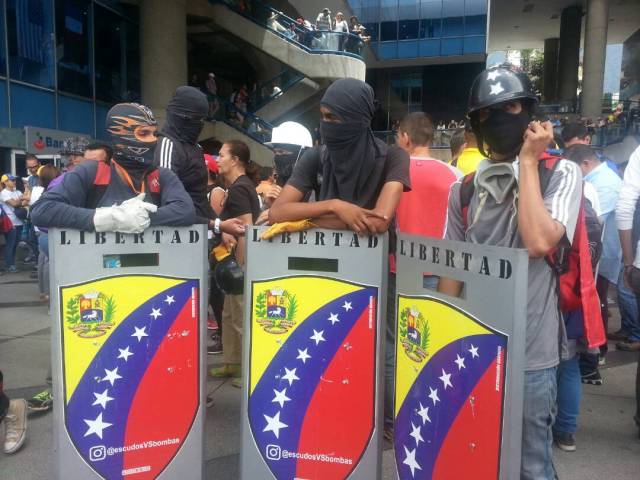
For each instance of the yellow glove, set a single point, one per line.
(277, 228)
(220, 252)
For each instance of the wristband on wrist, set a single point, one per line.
(216, 226)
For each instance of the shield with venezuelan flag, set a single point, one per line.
(312, 376)
(449, 395)
(130, 351)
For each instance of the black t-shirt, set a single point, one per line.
(241, 199)
(307, 173)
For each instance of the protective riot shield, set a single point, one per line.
(128, 340)
(459, 361)
(312, 356)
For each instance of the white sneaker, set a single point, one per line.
(15, 425)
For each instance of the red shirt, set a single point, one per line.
(423, 210)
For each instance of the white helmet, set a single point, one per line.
(291, 133)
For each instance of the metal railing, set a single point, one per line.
(242, 120)
(309, 39)
(274, 87)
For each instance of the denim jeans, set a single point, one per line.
(539, 410)
(12, 237)
(569, 393)
(628, 310)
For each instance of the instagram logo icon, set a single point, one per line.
(273, 452)
(97, 453)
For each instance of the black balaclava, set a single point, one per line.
(131, 150)
(185, 115)
(356, 162)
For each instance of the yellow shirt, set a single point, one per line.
(468, 160)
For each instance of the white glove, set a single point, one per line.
(130, 217)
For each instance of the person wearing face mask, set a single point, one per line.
(357, 178)
(507, 208)
(178, 150)
(127, 195)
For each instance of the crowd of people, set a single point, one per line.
(512, 182)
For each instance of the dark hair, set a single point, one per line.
(574, 130)
(419, 127)
(578, 153)
(31, 156)
(457, 141)
(239, 149)
(264, 173)
(101, 146)
(47, 174)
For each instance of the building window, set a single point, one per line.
(132, 52)
(30, 33)
(408, 29)
(475, 25)
(73, 47)
(430, 28)
(109, 55)
(388, 31)
(3, 58)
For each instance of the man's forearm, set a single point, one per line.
(450, 287)
(539, 231)
(626, 242)
(294, 211)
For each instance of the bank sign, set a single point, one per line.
(43, 141)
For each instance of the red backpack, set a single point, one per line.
(572, 264)
(103, 177)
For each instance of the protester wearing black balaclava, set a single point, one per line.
(178, 148)
(357, 178)
(354, 160)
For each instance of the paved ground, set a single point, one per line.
(608, 444)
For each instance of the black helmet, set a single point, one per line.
(499, 84)
(229, 276)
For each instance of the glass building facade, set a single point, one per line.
(401, 29)
(63, 63)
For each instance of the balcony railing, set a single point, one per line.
(309, 39)
(242, 120)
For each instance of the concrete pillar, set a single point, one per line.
(569, 54)
(163, 55)
(595, 47)
(550, 70)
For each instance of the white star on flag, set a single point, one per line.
(424, 414)
(102, 398)
(125, 353)
(281, 397)
(446, 379)
(473, 351)
(303, 355)
(111, 376)
(139, 333)
(317, 336)
(333, 318)
(169, 300)
(460, 362)
(433, 395)
(347, 306)
(496, 88)
(155, 313)
(290, 375)
(415, 433)
(96, 426)
(273, 424)
(410, 460)
(493, 74)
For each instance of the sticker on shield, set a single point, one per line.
(312, 375)
(131, 370)
(449, 392)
